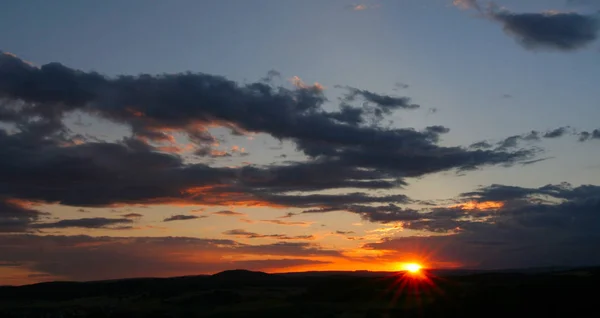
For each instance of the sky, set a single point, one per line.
(169, 138)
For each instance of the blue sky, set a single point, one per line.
(461, 67)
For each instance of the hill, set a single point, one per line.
(242, 293)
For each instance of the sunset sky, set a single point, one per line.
(165, 138)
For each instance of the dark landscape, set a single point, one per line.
(240, 293)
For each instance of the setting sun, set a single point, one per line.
(411, 267)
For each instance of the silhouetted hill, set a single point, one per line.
(241, 274)
(243, 293)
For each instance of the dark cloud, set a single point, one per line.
(344, 232)
(43, 160)
(181, 217)
(514, 141)
(556, 224)
(509, 142)
(558, 132)
(565, 31)
(561, 208)
(290, 223)
(525, 163)
(84, 257)
(88, 223)
(318, 175)
(271, 74)
(400, 85)
(481, 145)
(385, 103)
(533, 135)
(228, 213)
(17, 216)
(313, 200)
(563, 190)
(382, 214)
(252, 235)
(436, 130)
(584, 135)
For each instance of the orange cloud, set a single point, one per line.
(219, 195)
(474, 205)
(299, 83)
(176, 149)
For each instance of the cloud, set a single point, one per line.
(132, 215)
(42, 160)
(382, 213)
(400, 85)
(299, 83)
(584, 135)
(84, 257)
(229, 213)
(17, 216)
(558, 132)
(481, 145)
(88, 223)
(563, 31)
(251, 235)
(467, 4)
(271, 74)
(515, 141)
(213, 153)
(553, 225)
(548, 30)
(384, 103)
(288, 223)
(181, 217)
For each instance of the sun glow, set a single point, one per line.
(411, 267)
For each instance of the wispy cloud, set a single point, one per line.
(467, 4)
(291, 223)
(182, 217)
(89, 223)
(363, 6)
(229, 213)
(252, 235)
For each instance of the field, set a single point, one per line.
(353, 294)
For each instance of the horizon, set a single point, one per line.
(429, 271)
(188, 137)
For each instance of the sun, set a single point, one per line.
(412, 267)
